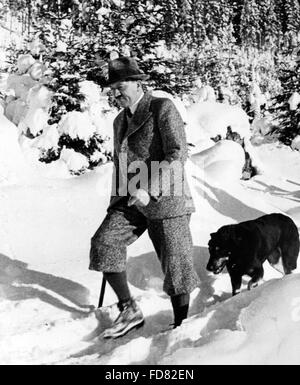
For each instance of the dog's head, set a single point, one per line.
(222, 246)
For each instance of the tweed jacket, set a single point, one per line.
(155, 134)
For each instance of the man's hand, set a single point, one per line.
(139, 198)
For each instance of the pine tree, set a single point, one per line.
(198, 29)
(289, 120)
(250, 27)
(217, 15)
(236, 7)
(269, 23)
(292, 8)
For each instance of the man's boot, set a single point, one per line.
(130, 317)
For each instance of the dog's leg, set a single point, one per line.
(289, 257)
(275, 260)
(236, 282)
(256, 277)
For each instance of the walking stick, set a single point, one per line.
(101, 299)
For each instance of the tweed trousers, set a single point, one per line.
(171, 238)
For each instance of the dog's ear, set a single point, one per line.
(227, 232)
(212, 238)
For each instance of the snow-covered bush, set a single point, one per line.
(20, 84)
(47, 94)
(294, 101)
(76, 162)
(256, 99)
(296, 143)
(35, 121)
(262, 125)
(24, 63)
(15, 110)
(37, 70)
(49, 139)
(77, 125)
(203, 93)
(39, 97)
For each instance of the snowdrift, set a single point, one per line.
(13, 167)
(208, 119)
(222, 162)
(261, 327)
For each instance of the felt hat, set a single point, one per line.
(124, 68)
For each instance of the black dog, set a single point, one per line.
(243, 248)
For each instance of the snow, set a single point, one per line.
(20, 84)
(77, 125)
(36, 47)
(256, 329)
(209, 119)
(13, 167)
(75, 161)
(36, 120)
(3, 81)
(48, 296)
(296, 143)
(294, 101)
(49, 138)
(39, 97)
(24, 62)
(90, 90)
(262, 125)
(204, 93)
(61, 47)
(222, 162)
(256, 98)
(36, 71)
(16, 110)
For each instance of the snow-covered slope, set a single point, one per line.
(209, 119)
(48, 296)
(13, 167)
(256, 328)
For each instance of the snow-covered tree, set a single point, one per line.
(250, 27)
(287, 103)
(269, 23)
(292, 11)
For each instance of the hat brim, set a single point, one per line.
(144, 77)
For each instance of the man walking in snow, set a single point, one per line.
(147, 132)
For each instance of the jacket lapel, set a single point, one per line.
(121, 127)
(141, 115)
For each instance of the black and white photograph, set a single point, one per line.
(149, 185)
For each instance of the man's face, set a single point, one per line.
(126, 93)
